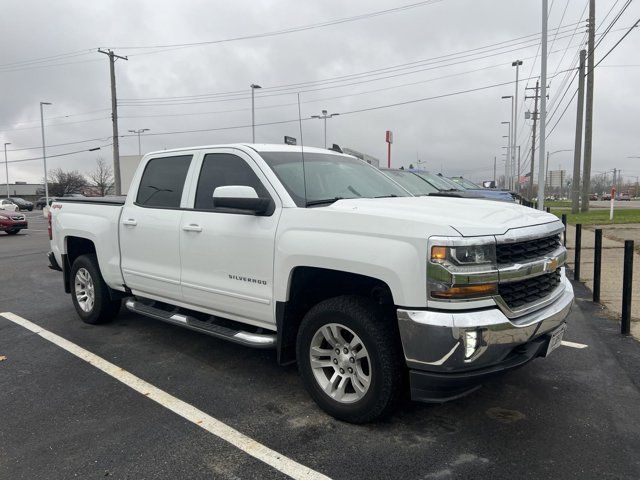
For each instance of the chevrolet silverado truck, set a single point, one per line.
(329, 261)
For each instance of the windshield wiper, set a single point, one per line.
(387, 196)
(326, 201)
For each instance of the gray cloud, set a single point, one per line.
(460, 134)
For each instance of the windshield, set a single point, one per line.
(329, 177)
(17, 199)
(464, 183)
(441, 183)
(411, 182)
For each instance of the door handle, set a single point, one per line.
(130, 221)
(192, 227)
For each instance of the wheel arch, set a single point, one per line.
(307, 287)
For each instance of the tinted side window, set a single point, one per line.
(162, 182)
(222, 169)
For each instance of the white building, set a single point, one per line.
(28, 191)
(362, 156)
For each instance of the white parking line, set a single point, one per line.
(573, 344)
(189, 412)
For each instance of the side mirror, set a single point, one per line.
(241, 198)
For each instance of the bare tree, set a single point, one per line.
(63, 183)
(102, 178)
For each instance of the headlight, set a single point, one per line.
(465, 255)
(462, 268)
(2, 217)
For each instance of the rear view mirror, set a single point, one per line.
(240, 197)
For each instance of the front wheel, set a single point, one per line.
(350, 359)
(90, 293)
(13, 232)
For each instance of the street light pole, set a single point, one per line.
(44, 154)
(549, 155)
(254, 87)
(324, 117)
(511, 142)
(507, 183)
(516, 64)
(6, 166)
(138, 132)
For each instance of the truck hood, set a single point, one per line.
(469, 217)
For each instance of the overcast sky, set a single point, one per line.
(456, 134)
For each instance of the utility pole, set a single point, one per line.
(114, 117)
(516, 64)
(577, 150)
(494, 170)
(44, 154)
(546, 170)
(533, 136)
(588, 126)
(138, 132)
(6, 166)
(543, 104)
(518, 178)
(507, 184)
(253, 87)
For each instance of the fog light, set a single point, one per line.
(472, 340)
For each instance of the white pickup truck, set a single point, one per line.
(326, 259)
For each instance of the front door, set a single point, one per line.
(227, 258)
(150, 229)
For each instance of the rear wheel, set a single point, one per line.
(90, 293)
(350, 359)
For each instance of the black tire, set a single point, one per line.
(104, 309)
(13, 232)
(380, 337)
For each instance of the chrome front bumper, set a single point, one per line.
(436, 341)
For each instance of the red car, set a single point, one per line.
(11, 222)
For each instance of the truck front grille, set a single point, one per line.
(523, 292)
(519, 252)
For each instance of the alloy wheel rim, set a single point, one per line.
(340, 363)
(85, 293)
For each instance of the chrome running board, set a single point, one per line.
(256, 340)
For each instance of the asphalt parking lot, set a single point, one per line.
(575, 414)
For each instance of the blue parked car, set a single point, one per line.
(500, 195)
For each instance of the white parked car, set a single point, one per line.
(330, 262)
(8, 206)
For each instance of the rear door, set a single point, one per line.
(227, 258)
(150, 228)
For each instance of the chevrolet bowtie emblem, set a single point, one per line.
(551, 265)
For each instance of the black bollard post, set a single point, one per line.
(576, 266)
(597, 265)
(625, 324)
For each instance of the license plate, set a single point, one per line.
(555, 340)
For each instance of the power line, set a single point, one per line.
(284, 31)
(60, 144)
(60, 116)
(30, 64)
(362, 110)
(60, 154)
(59, 56)
(289, 91)
(596, 65)
(58, 124)
(618, 42)
(413, 64)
